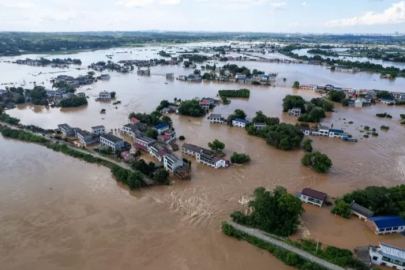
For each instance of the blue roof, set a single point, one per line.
(240, 120)
(161, 126)
(388, 99)
(337, 130)
(388, 221)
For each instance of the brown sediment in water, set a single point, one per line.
(60, 213)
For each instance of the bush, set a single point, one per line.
(73, 102)
(161, 176)
(239, 158)
(152, 133)
(182, 138)
(383, 115)
(8, 119)
(342, 209)
(132, 179)
(307, 145)
(242, 93)
(402, 116)
(22, 135)
(191, 108)
(375, 134)
(318, 161)
(385, 127)
(366, 128)
(366, 136)
(284, 136)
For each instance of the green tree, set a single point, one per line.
(239, 158)
(318, 161)
(239, 114)
(134, 180)
(342, 208)
(152, 133)
(113, 94)
(336, 96)
(291, 101)
(307, 145)
(384, 94)
(274, 212)
(191, 108)
(161, 176)
(91, 73)
(167, 119)
(284, 136)
(73, 102)
(296, 85)
(216, 145)
(182, 138)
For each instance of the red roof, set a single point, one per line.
(314, 194)
(204, 102)
(125, 155)
(133, 119)
(166, 137)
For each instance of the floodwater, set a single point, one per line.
(57, 212)
(304, 52)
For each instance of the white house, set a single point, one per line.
(112, 141)
(158, 152)
(86, 138)
(321, 131)
(259, 126)
(162, 128)
(388, 255)
(170, 76)
(98, 130)
(313, 196)
(216, 118)
(171, 162)
(294, 112)
(237, 122)
(387, 101)
(205, 105)
(336, 133)
(66, 130)
(144, 143)
(104, 95)
(305, 130)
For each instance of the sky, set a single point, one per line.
(303, 16)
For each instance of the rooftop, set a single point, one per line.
(161, 126)
(64, 126)
(336, 130)
(196, 148)
(240, 120)
(111, 138)
(214, 116)
(259, 124)
(173, 157)
(146, 139)
(393, 252)
(361, 210)
(314, 194)
(97, 127)
(388, 221)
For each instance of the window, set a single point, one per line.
(375, 258)
(395, 228)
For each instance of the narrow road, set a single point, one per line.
(259, 234)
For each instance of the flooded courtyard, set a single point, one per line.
(57, 212)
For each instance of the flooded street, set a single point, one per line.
(57, 212)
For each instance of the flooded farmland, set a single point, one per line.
(57, 212)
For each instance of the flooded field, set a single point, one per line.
(60, 213)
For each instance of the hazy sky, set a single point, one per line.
(316, 16)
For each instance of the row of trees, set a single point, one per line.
(73, 101)
(241, 93)
(381, 200)
(240, 158)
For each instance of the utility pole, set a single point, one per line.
(317, 243)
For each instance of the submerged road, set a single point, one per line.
(259, 234)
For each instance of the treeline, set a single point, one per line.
(365, 66)
(22, 135)
(381, 200)
(191, 108)
(323, 52)
(133, 179)
(242, 93)
(8, 119)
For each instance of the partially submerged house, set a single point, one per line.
(114, 142)
(237, 122)
(216, 118)
(294, 112)
(386, 224)
(312, 196)
(388, 255)
(360, 211)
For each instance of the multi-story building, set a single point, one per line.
(237, 122)
(66, 130)
(171, 162)
(204, 156)
(104, 95)
(336, 133)
(294, 112)
(144, 143)
(98, 130)
(216, 118)
(112, 141)
(205, 105)
(320, 131)
(162, 128)
(86, 138)
(388, 255)
(158, 152)
(259, 126)
(167, 136)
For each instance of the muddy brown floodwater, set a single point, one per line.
(57, 212)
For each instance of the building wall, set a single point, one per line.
(377, 259)
(314, 201)
(238, 124)
(99, 131)
(216, 121)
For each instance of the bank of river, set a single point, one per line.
(60, 213)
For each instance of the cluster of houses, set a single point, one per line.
(381, 225)
(204, 156)
(74, 82)
(357, 97)
(101, 66)
(143, 72)
(191, 78)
